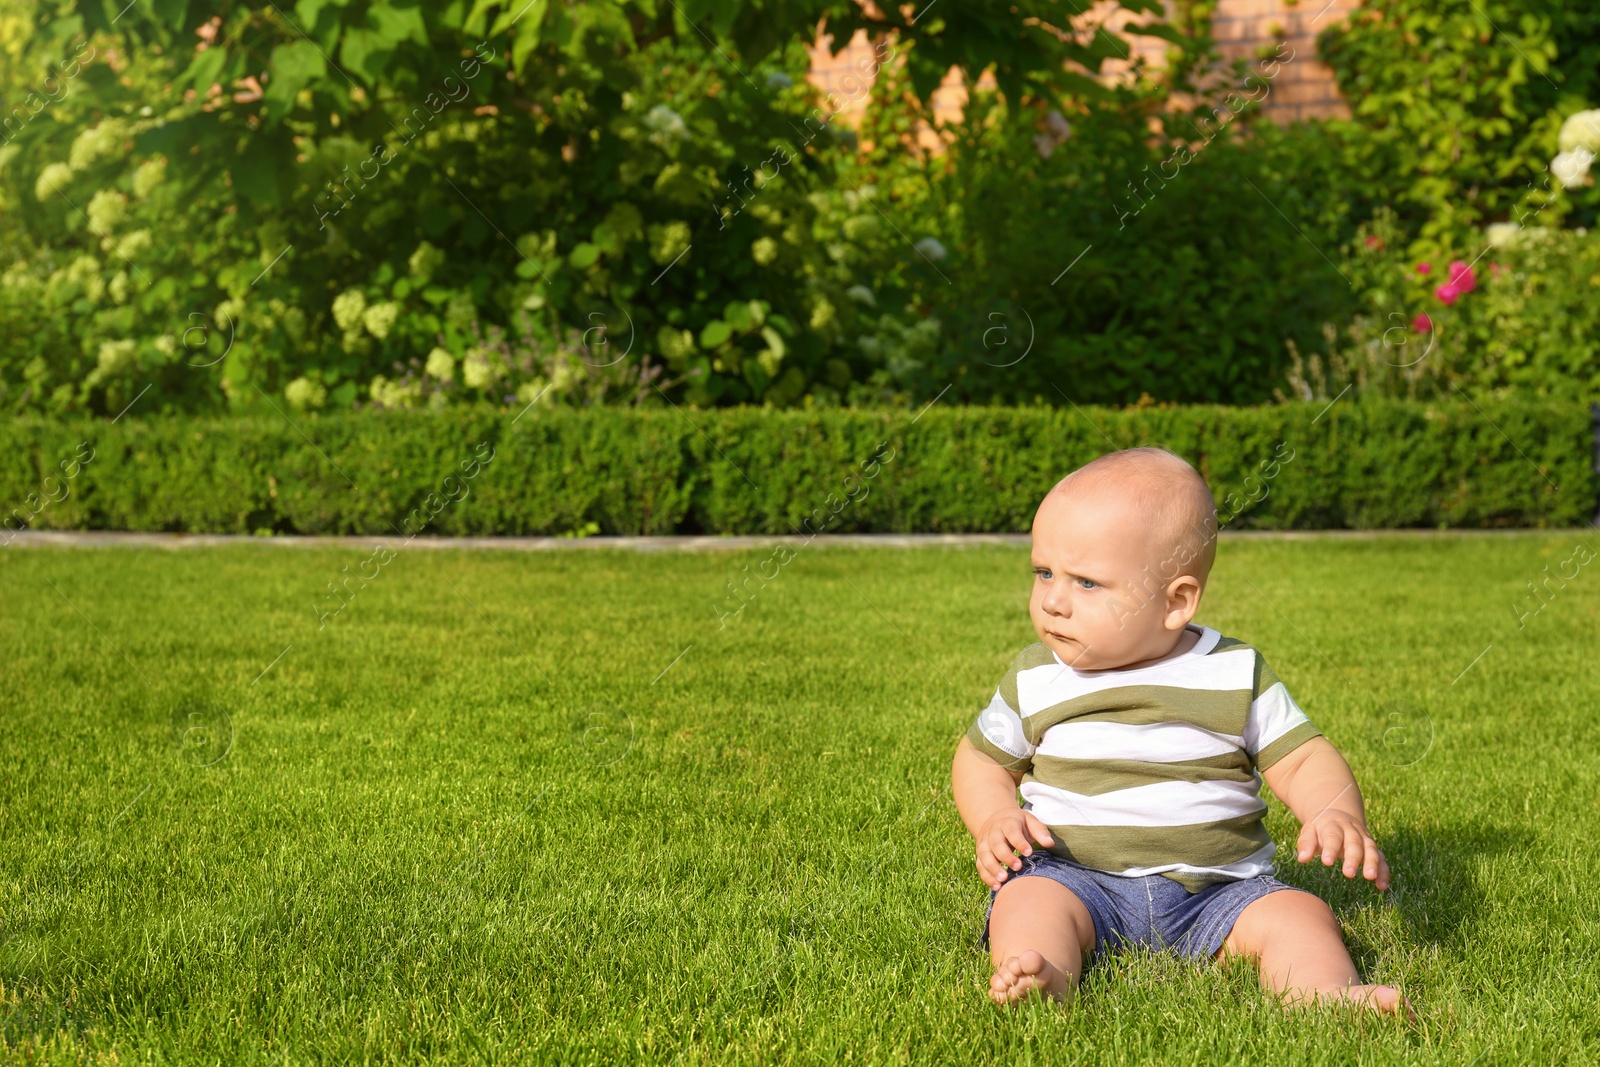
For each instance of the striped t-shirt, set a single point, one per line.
(1148, 771)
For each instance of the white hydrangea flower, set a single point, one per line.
(95, 142)
(355, 342)
(106, 209)
(83, 267)
(115, 357)
(425, 260)
(133, 244)
(460, 312)
(303, 393)
(1571, 169)
(764, 250)
(441, 365)
(1581, 130)
(535, 389)
(348, 307)
(388, 394)
(54, 177)
(379, 318)
(822, 313)
(675, 345)
(148, 176)
(667, 124)
(1502, 234)
(84, 273)
(475, 369)
(669, 241)
(119, 287)
(562, 377)
(932, 248)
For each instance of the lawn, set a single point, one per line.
(493, 811)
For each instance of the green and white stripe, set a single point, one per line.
(1149, 771)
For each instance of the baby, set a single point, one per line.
(1140, 741)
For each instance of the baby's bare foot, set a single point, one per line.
(1020, 975)
(1380, 998)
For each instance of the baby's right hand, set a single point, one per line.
(1002, 837)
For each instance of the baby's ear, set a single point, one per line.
(1183, 601)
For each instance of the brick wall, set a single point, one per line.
(1303, 89)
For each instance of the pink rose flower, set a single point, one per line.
(1462, 278)
(1424, 268)
(1447, 294)
(1422, 324)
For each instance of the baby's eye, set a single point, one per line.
(1088, 583)
(1043, 573)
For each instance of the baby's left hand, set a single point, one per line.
(1336, 835)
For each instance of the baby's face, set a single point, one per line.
(1097, 600)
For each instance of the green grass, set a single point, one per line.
(467, 822)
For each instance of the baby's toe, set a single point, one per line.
(1031, 964)
(1382, 998)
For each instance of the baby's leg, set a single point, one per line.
(1296, 941)
(1039, 932)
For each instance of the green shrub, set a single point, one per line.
(1458, 104)
(411, 205)
(1524, 321)
(1376, 464)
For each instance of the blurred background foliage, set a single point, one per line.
(343, 203)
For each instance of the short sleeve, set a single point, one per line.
(998, 731)
(1276, 726)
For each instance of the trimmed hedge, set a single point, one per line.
(648, 471)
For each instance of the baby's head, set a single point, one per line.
(1122, 547)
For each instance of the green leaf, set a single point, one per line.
(716, 331)
(476, 20)
(774, 341)
(364, 52)
(1156, 29)
(294, 66)
(396, 24)
(527, 33)
(517, 13)
(584, 256)
(308, 10)
(206, 69)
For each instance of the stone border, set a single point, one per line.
(119, 539)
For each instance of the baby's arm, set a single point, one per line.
(986, 796)
(1316, 783)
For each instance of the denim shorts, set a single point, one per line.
(1151, 910)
